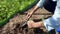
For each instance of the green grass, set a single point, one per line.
(10, 7)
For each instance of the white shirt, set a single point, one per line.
(54, 21)
(54, 0)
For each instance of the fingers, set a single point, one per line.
(30, 24)
(29, 14)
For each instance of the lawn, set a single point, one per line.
(8, 8)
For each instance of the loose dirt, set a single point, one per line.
(12, 27)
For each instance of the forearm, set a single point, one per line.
(34, 9)
(39, 4)
(38, 24)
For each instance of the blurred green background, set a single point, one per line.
(8, 8)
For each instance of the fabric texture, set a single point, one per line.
(50, 5)
(54, 21)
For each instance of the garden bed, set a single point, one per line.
(12, 27)
(9, 8)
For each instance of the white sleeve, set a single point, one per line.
(40, 3)
(54, 0)
(53, 21)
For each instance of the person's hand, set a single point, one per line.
(33, 10)
(30, 24)
(29, 14)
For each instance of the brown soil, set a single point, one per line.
(12, 27)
